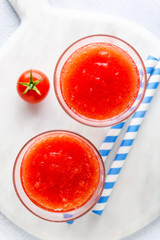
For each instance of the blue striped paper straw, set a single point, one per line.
(131, 133)
(115, 130)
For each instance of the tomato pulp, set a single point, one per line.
(60, 171)
(99, 81)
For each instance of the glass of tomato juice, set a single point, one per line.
(100, 80)
(59, 175)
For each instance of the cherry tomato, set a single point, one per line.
(33, 86)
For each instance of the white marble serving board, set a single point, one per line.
(43, 35)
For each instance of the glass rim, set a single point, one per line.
(89, 121)
(99, 159)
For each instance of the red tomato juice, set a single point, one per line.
(99, 81)
(60, 171)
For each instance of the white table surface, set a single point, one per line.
(143, 12)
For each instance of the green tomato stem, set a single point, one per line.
(31, 85)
